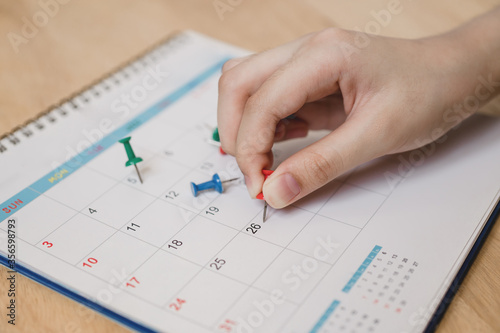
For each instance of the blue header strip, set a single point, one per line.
(21, 199)
(325, 317)
(362, 268)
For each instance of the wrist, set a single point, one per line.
(467, 61)
(478, 42)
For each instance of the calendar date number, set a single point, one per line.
(227, 325)
(253, 228)
(212, 211)
(171, 195)
(90, 262)
(175, 244)
(177, 305)
(132, 282)
(218, 263)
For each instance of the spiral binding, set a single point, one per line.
(107, 82)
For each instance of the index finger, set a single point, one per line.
(240, 79)
(307, 77)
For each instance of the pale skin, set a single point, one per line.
(379, 97)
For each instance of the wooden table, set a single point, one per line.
(82, 40)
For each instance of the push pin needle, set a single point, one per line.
(138, 173)
(265, 212)
(260, 196)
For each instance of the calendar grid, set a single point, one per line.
(270, 242)
(174, 236)
(131, 273)
(160, 248)
(201, 267)
(133, 295)
(251, 285)
(77, 212)
(44, 237)
(219, 273)
(322, 278)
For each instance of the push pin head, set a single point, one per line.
(132, 159)
(214, 184)
(215, 135)
(266, 174)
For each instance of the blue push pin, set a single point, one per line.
(215, 184)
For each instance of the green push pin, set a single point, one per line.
(215, 135)
(132, 159)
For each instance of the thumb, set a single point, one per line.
(353, 143)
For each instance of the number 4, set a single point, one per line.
(92, 211)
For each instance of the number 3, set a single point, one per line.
(49, 245)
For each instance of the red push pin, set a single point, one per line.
(260, 196)
(266, 174)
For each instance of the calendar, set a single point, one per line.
(375, 250)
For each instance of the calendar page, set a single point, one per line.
(375, 250)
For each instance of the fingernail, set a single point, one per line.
(281, 190)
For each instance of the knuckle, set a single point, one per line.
(245, 161)
(230, 81)
(243, 149)
(328, 35)
(224, 81)
(230, 64)
(319, 169)
(254, 103)
(262, 103)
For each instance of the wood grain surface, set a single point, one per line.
(84, 39)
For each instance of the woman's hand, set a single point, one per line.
(378, 95)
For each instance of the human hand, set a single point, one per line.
(390, 96)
